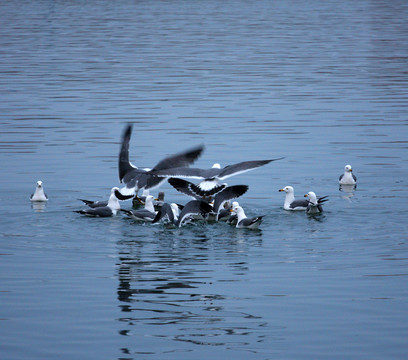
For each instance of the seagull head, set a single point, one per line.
(348, 168)
(287, 189)
(39, 183)
(312, 197)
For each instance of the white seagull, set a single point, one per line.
(314, 203)
(146, 214)
(111, 208)
(290, 203)
(39, 194)
(243, 221)
(348, 178)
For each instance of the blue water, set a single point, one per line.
(323, 84)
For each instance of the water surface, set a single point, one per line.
(323, 84)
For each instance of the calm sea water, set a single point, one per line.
(323, 84)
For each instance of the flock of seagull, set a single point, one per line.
(212, 199)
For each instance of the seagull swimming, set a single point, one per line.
(314, 203)
(348, 178)
(212, 177)
(169, 213)
(39, 194)
(111, 208)
(290, 203)
(146, 214)
(243, 221)
(194, 209)
(137, 178)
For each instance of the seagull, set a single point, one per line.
(233, 218)
(290, 202)
(194, 209)
(243, 221)
(315, 203)
(229, 193)
(212, 176)
(348, 178)
(167, 212)
(193, 190)
(146, 214)
(39, 194)
(111, 208)
(137, 178)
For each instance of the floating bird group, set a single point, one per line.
(211, 198)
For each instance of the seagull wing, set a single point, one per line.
(184, 158)
(230, 192)
(194, 207)
(242, 167)
(165, 210)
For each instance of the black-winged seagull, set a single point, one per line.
(194, 209)
(229, 193)
(212, 176)
(111, 208)
(348, 178)
(39, 194)
(169, 213)
(148, 213)
(137, 178)
(290, 203)
(315, 203)
(244, 221)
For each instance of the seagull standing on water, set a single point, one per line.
(193, 210)
(314, 203)
(136, 178)
(146, 214)
(290, 203)
(39, 194)
(245, 222)
(348, 178)
(111, 208)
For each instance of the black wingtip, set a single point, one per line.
(122, 197)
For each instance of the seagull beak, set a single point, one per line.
(305, 195)
(280, 190)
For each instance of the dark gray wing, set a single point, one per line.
(299, 203)
(194, 207)
(182, 159)
(322, 199)
(119, 196)
(230, 192)
(124, 165)
(242, 167)
(104, 211)
(250, 221)
(183, 186)
(141, 214)
(94, 204)
(165, 210)
(341, 177)
(354, 177)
